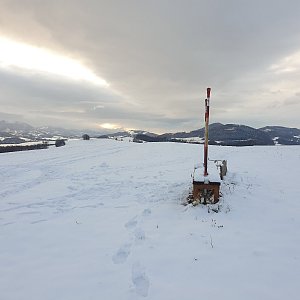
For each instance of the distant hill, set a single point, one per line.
(129, 133)
(283, 135)
(15, 127)
(14, 133)
(13, 140)
(231, 135)
(219, 134)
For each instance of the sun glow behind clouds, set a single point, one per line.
(109, 126)
(288, 64)
(35, 59)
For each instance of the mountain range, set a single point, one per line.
(219, 134)
(226, 135)
(17, 133)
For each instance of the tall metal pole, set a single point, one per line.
(206, 130)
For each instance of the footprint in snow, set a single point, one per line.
(38, 221)
(104, 165)
(147, 212)
(121, 255)
(131, 223)
(140, 280)
(139, 234)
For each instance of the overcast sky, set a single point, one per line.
(146, 64)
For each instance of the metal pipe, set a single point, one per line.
(206, 130)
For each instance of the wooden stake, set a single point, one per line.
(206, 130)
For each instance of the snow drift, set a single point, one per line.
(103, 220)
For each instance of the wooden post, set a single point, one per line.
(206, 130)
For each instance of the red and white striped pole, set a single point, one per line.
(206, 130)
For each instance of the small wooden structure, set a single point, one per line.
(206, 185)
(206, 189)
(206, 192)
(60, 142)
(85, 137)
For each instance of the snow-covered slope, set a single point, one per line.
(103, 219)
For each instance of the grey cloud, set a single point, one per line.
(161, 54)
(42, 88)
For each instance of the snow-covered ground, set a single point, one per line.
(103, 219)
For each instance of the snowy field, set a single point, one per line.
(102, 219)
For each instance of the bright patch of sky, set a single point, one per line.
(109, 126)
(18, 55)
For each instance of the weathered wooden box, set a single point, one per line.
(206, 189)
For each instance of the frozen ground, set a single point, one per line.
(103, 219)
